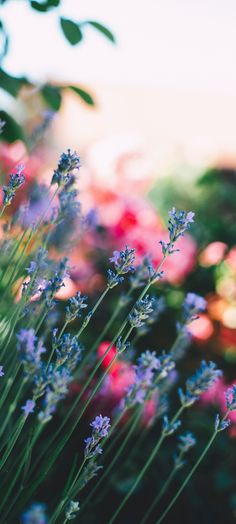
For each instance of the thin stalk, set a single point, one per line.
(144, 469)
(2, 211)
(12, 407)
(9, 385)
(106, 328)
(117, 455)
(189, 476)
(19, 261)
(13, 252)
(102, 296)
(19, 469)
(53, 348)
(12, 442)
(64, 501)
(159, 495)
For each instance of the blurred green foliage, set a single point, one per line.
(74, 32)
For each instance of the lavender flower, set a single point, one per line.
(169, 428)
(141, 312)
(167, 365)
(143, 273)
(68, 350)
(121, 345)
(123, 262)
(221, 424)
(36, 514)
(100, 427)
(179, 222)
(186, 442)
(38, 205)
(231, 398)
(200, 382)
(28, 407)
(30, 351)
(70, 207)
(58, 382)
(90, 471)
(68, 218)
(68, 164)
(193, 304)
(76, 304)
(158, 305)
(148, 364)
(16, 180)
(72, 509)
(54, 284)
(1, 371)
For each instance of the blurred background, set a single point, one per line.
(146, 93)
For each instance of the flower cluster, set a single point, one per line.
(141, 312)
(231, 398)
(54, 284)
(158, 305)
(143, 273)
(100, 427)
(16, 180)
(56, 390)
(28, 407)
(72, 510)
(75, 305)
(30, 350)
(68, 164)
(193, 304)
(178, 223)
(168, 428)
(123, 262)
(36, 514)
(186, 442)
(148, 368)
(200, 382)
(68, 350)
(90, 471)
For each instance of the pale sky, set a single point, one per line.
(182, 44)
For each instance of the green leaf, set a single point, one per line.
(45, 6)
(71, 31)
(86, 97)
(12, 130)
(104, 30)
(52, 95)
(11, 84)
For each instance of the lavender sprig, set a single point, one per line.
(16, 181)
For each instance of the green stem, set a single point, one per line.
(66, 497)
(18, 263)
(187, 478)
(9, 385)
(145, 468)
(159, 495)
(12, 407)
(13, 252)
(102, 334)
(120, 450)
(13, 441)
(2, 211)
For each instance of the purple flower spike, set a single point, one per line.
(28, 407)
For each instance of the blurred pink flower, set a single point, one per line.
(216, 396)
(212, 254)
